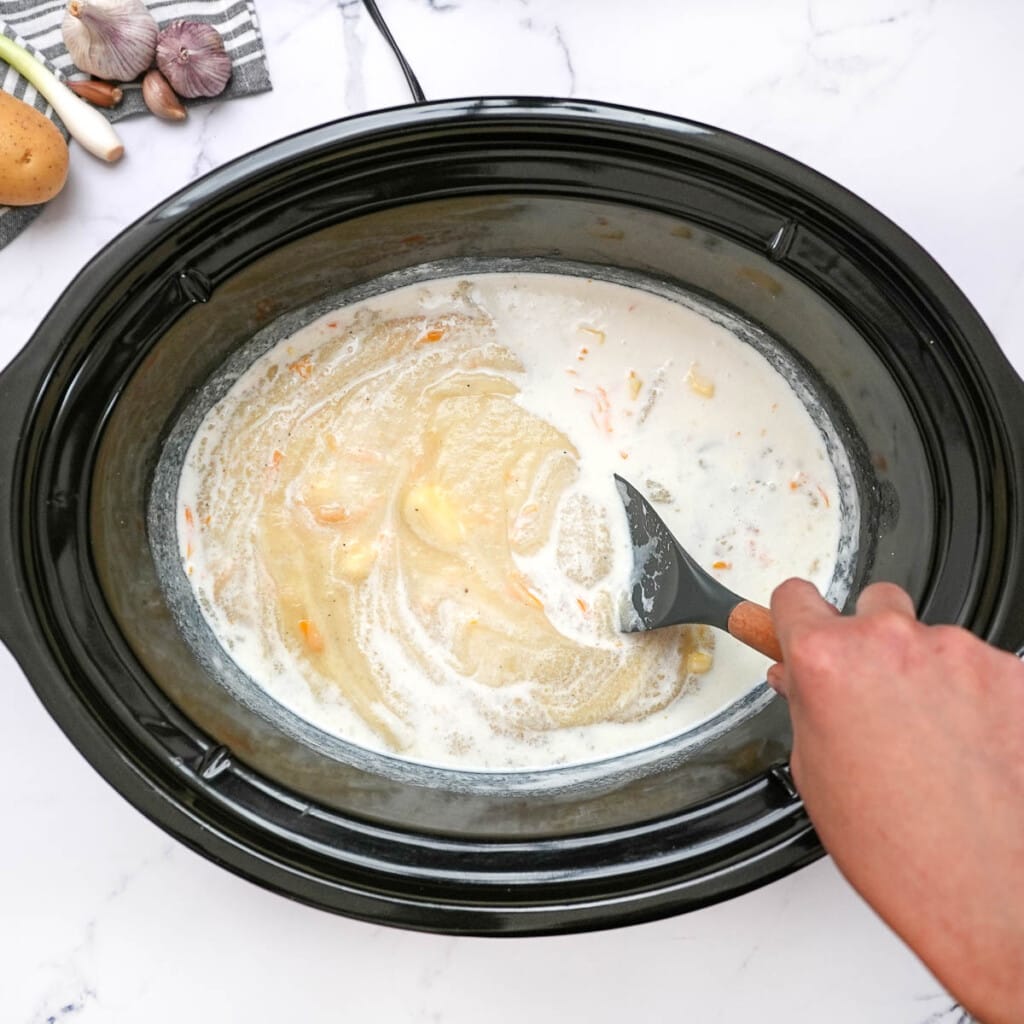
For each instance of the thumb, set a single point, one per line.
(778, 680)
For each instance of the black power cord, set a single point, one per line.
(410, 77)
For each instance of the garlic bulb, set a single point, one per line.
(112, 39)
(192, 58)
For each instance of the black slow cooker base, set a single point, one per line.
(91, 399)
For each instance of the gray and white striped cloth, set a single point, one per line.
(35, 24)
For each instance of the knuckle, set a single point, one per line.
(951, 638)
(892, 627)
(812, 652)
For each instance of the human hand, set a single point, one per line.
(908, 751)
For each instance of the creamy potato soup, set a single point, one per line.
(401, 522)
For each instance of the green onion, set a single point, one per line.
(85, 123)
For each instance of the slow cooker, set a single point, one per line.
(933, 419)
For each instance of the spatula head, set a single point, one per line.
(667, 587)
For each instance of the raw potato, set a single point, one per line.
(33, 154)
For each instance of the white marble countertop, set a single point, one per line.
(913, 104)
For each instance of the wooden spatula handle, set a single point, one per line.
(752, 624)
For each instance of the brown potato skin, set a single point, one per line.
(33, 155)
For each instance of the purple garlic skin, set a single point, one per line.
(111, 39)
(160, 98)
(191, 56)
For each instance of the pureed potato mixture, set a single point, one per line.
(402, 523)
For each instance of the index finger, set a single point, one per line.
(796, 607)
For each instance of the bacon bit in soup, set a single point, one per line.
(824, 496)
(584, 607)
(721, 565)
(303, 367)
(584, 352)
(798, 481)
(189, 518)
(313, 637)
(275, 459)
(433, 335)
(634, 384)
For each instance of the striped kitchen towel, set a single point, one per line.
(35, 24)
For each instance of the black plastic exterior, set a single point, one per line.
(754, 229)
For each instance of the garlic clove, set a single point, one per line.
(192, 57)
(161, 98)
(112, 39)
(97, 92)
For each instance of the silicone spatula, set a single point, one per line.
(669, 588)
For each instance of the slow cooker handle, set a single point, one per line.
(18, 393)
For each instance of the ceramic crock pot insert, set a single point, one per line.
(925, 405)
(847, 454)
